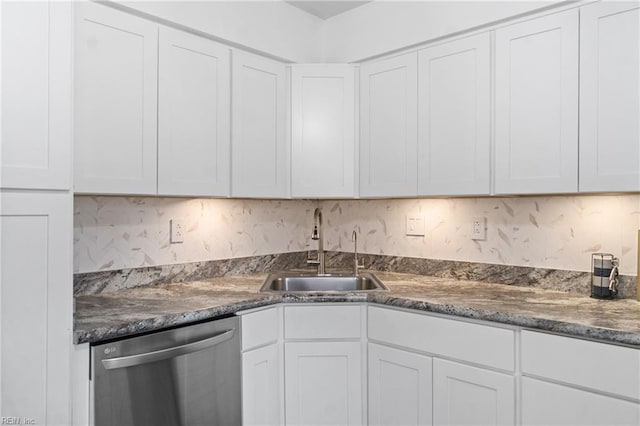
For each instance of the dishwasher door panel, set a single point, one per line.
(186, 376)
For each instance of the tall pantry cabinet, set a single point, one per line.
(35, 212)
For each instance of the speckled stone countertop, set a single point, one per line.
(127, 312)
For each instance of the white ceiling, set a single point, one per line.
(325, 9)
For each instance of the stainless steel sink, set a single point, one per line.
(311, 283)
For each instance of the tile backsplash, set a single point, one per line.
(113, 233)
(555, 232)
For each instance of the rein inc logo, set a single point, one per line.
(17, 421)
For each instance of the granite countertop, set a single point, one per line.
(127, 312)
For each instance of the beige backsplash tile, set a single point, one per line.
(557, 232)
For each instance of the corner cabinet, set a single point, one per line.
(116, 91)
(536, 105)
(260, 165)
(610, 97)
(193, 115)
(388, 127)
(36, 94)
(454, 122)
(323, 131)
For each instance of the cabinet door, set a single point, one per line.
(464, 395)
(36, 95)
(454, 126)
(609, 97)
(323, 383)
(388, 127)
(536, 142)
(323, 132)
(194, 115)
(552, 404)
(261, 387)
(399, 387)
(116, 84)
(36, 307)
(259, 156)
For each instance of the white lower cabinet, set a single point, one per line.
(306, 364)
(261, 367)
(575, 381)
(465, 395)
(260, 386)
(400, 387)
(546, 403)
(323, 382)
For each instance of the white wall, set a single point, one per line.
(269, 26)
(556, 232)
(382, 26)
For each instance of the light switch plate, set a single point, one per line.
(415, 225)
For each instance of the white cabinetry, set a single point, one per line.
(536, 111)
(323, 130)
(388, 127)
(460, 393)
(260, 157)
(261, 371)
(193, 115)
(454, 123)
(323, 375)
(400, 387)
(36, 306)
(573, 381)
(116, 84)
(36, 95)
(464, 395)
(323, 383)
(546, 403)
(609, 97)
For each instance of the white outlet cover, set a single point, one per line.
(415, 225)
(479, 228)
(176, 231)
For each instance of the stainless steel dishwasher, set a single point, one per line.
(185, 376)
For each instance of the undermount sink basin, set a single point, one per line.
(312, 283)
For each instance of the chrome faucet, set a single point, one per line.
(354, 238)
(317, 235)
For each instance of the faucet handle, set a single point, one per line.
(312, 261)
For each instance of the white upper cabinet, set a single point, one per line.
(536, 116)
(454, 123)
(609, 97)
(116, 60)
(388, 127)
(194, 115)
(36, 95)
(259, 156)
(323, 130)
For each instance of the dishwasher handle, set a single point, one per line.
(144, 358)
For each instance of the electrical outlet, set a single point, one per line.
(479, 228)
(415, 226)
(176, 231)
